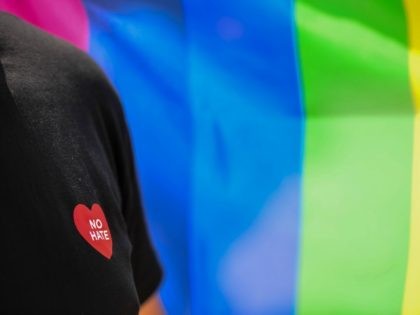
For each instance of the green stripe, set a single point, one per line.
(358, 155)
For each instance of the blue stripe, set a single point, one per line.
(248, 124)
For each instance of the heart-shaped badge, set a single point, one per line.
(93, 227)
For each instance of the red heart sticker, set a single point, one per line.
(93, 227)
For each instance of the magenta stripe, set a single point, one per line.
(65, 18)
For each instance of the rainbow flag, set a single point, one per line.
(278, 144)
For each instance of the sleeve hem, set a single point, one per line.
(150, 286)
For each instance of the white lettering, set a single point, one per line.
(96, 234)
(95, 224)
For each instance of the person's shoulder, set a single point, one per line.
(48, 74)
(38, 53)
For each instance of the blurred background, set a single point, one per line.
(229, 103)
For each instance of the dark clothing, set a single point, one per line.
(63, 143)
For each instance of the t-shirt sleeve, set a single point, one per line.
(146, 268)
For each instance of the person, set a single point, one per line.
(73, 236)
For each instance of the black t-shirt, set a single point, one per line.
(72, 234)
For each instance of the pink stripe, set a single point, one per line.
(65, 18)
